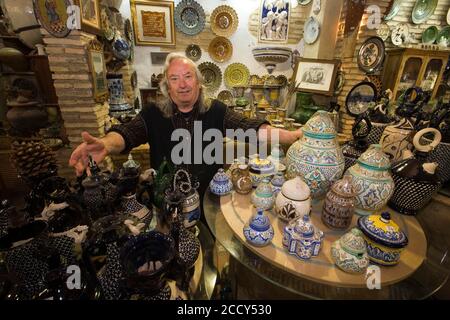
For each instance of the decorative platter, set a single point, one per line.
(394, 10)
(224, 21)
(400, 34)
(303, 2)
(443, 38)
(220, 49)
(193, 52)
(212, 76)
(54, 20)
(316, 6)
(226, 97)
(423, 9)
(236, 74)
(189, 17)
(430, 35)
(312, 30)
(383, 31)
(371, 55)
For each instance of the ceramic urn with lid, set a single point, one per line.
(372, 180)
(349, 253)
(263, 197)
(385, 241)
(258, 231)
(294, 200)
(221, 184)
(260, 168)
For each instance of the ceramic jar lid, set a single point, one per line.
(320, 124)
(296, 189)
(353, 242)
(260, 222)
(264, 190)
(221, 176)
(381, 229)
(344, 187)
(261, 165)
(375, 158)
(303, 227)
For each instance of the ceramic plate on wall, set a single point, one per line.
(189, 17)
(312, 30)
(226, 97)
(400, 34)
(430, 35)
(212, 76)
(304, 2)
(54, 20)
(383, 31)
(193, 52)
(220, 49)
(443, 38)
(236, 75)
(371, 55)
(224, 21)
(423, 9)
(394, 10)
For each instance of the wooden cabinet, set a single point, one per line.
(406, 67)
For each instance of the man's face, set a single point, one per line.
(183, 84)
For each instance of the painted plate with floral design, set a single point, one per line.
(193, 52)
(423, 9)
(189, 17)
(220, 49)
(53, 17)
(226, 97)
(212, 76)
(224, 21)
(236, 75)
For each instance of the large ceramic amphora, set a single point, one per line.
(372, 180)
(316, 157)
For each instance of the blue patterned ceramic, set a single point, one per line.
(221, 184)
(189, 17)
(316, 157)
(117, 102)
(120, 47)
(277, 182)
(302, 239)
(372, 180)
(263, 197)
(260, 169)
(349, 253)
(259, 231)
(385, 241)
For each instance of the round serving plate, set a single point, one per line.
(224, 21)
(444, 36)
(220, 49)
(226, 97)
(430, 35)
(236, 75)
(371, 55)
(193, 52)
(394, 10)
(189, 17)
(423, 9)
(400, 34)
(312, 30)
(212, 76)
(303, 2)
(384, 31)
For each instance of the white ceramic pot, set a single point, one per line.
(296, 193)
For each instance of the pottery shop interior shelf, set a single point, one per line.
(321, 269)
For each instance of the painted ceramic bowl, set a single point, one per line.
(349, 253)
(259, 232)
(221, 184)
(271, 56)
(385, 241)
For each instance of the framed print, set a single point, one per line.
(158, 58)
(153, 23)
(274, 21)
(90, 16)
(98, 71)
(317, 76)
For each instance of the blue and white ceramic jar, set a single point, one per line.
(263, 197)
(349, 253)
(120, 47)
(316, 157)
(277, 182)
(302, 239)
(372, 180)
(117, 103)
(259, 232)
(260, 169)
(221, 184)
(385, 241)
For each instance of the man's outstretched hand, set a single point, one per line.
(91, 146)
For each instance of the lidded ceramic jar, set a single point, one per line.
(221, 184)
(263, 197)
(339, 204)
(349, 253)
(302, 239)
(416, 180)
(316, 157)
(258, 231)
(294, 194)
(242, 182)
(372, 180)
(385, 241)
(277, 183)
(260, 169)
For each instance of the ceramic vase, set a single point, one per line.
(117, 103)
(263, 197)
(294, 200)
(260, 169)
(221, 184)
(349, 253)
(258, 231)
(242, 182)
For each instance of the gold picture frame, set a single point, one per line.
(153, 22)
(97, 67)
(90, 15)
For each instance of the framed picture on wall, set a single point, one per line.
(153, 23)
(98, 71)
(316, 76)
(274, 21)
(90, 15)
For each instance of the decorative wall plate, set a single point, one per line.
(193, 52)
(236, 74)
(383, 31)
(212, 76)
(189, 17)
(423, 9)
(358, 99)
(224, 21)
(220, 49)
(443, 38)
(226, 97)
(400, 34)
(316, 6)
(371, 55)
(53, 17)
(303, 2)
(448, 16)
(430, 35)
(312, 30)
(394, 10)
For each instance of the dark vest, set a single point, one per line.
(159, 131)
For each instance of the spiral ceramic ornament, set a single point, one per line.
(316, 157)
